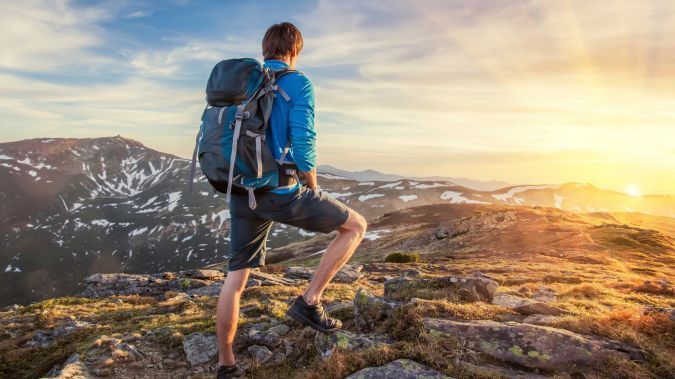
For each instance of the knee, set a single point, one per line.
(361, 226)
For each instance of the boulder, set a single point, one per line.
(210, 290)
(545, 295)
(271, 279)
(260, 354)
(532, 307)
(205, 274)
(440, 233)
(540, 319)
(349, 273)
(370, 311)
(44, 338)
(200, 348)
(507, 300)
(326, 343)
(265, 338)
(399, 369)
(533, 346)
(473, 288)
(281, 329)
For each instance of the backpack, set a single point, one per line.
(230, 144)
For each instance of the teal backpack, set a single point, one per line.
(231, 146)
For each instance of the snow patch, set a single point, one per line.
(371, 196)
(558, 200)
(375, 234)
(390, 185)
(338, 195)
(173, 200)
(509, 194)
(331, 176)
(407, 198)
(138, 231)
(102, 222)
(366, 183)
(457, 198)
(427, 186)
(5, 157)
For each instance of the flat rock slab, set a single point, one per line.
(200, 348)
(349, 273)
(534, 346)
(399, 369)
(533, 307)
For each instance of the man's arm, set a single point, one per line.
(303, 135)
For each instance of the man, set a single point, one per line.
(304, 206)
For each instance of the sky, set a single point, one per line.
(520, 91)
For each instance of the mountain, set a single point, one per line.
(499, 292)
(366, 175)
(71, 207)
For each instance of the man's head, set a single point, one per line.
(282, 42)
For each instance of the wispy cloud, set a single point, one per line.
(455, 88)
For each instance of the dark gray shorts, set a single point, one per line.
(304, 208)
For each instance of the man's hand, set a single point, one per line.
(310, 179)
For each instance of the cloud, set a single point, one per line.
(138, 14)
(42, 36)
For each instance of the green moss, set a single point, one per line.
(400, 257)
(516, 350)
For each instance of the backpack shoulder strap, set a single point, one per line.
(278, 74)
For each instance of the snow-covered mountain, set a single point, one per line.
(70, 207)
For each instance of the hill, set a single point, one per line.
(500, 291)
(72, 207)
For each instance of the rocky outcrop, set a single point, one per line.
(536, 347)
(349, 273)
(370, 311)
(474, 288)
(200, 348)
(529, 306)
(326, 343)
(400, 369)
(46, 337)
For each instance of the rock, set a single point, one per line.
(475, 288)
(545, 295)
(657, 287)
(73, 367)
(260, 353)
(341, 309)
(205, 274)
(254, 283)
(532, 307)
(533, 346)
(326, 343)
(281, 329)
(265, 338)
(44, 338)
(539, 319)
(412, 273)
(399, 369)
(370, 311)
(349, 273)
(440, 233)
(271, 280)
(200, 348)
(507, 300)
(210, 290)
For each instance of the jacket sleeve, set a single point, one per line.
(301, 120)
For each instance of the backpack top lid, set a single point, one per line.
(233, 81)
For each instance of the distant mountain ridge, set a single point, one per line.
(70, 207)
(483, 185)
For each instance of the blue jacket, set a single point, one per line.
(293, 119)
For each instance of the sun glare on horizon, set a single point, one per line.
(633, 190)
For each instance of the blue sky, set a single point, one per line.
(522, 91)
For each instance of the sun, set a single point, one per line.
(633, 190)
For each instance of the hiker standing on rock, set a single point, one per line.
(274, 191)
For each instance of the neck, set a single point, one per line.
(288, 60)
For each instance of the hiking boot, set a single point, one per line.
(314, 316)
(226, 372)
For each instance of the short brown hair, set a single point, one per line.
(280, 39)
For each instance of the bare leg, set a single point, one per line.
(227, 314)
(337, 254)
